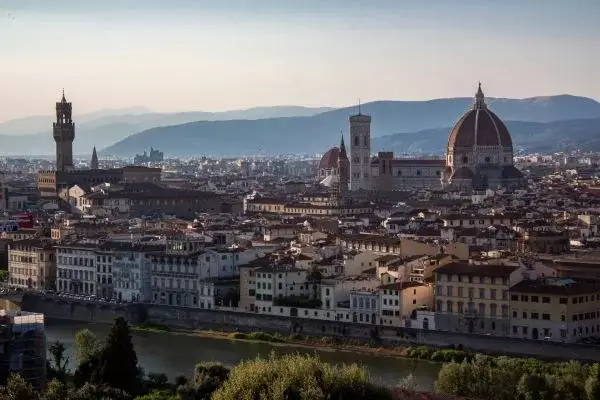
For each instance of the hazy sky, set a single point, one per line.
(183, 55)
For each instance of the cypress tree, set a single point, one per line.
(117, 363)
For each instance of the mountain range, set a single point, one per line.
(538, 123)
(33, 135)
(401, 126)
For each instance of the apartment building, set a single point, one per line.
(76, 269)
(32, 264)
(364, 305)
(104, 277)
(132, 269)
(557, 309)
(277, 282)
(473, 298)
(399, 301)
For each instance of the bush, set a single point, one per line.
(298, 377)
(421, 352)
(449, 355)
(237, 335)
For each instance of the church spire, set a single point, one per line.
(479, 103)
(94, 163)
(342, 146)
(64, 99)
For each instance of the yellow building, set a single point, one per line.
(557, 309)
(399, 302)
(474, 298)
(32, 264)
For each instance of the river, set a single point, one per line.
(176, 354)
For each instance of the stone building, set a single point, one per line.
(51, 183)
(32, 264)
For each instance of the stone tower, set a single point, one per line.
(94, 163)
(343, 169)
(64, 134)
(360, 151)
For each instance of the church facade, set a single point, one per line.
(479, 155)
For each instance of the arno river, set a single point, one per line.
(175, 354)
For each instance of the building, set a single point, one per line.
(32, 264)
(399, 301)
(480, 151)
(132, 270)
(556, 309)
(154, 156)
(76, 269)
(51, 183)
(64, 134)
(479, 156)
(473, 298)
(23, 345)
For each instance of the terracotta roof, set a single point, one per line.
(490, 270)
(330, 159)
(557, 286)
(479, 127)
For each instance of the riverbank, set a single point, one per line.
(423, 353)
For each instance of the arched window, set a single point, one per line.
(465, 160)
(449, 306)
(356, 143)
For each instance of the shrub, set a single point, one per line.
(237, 335)
(298, 377)
(421, 352)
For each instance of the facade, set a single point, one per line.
(32, 264)
(399, 302)
(76, 269)
(132, 271)
(473, 298)
(556, 309)
(360, 152)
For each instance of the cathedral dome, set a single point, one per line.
(479, 127)
(330, 159)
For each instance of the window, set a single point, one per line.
(514, 297)
(515, 329)
(535, 315)
(563, 300)
(535, 299)
(524, 298)
(546, 317)
(545, 299)
(482, 293)
(524, 315)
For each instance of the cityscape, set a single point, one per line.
(452, 243)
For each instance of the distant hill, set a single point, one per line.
(315, 134)
(33, 135)
(530, 136)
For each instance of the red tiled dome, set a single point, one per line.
(479, 127)
(330, 159)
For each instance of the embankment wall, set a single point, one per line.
(193, 318)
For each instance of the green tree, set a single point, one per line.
(533, 387)
(59, 361)
(18, 388)
(3, 275)
(86, 345)
(158, 395)
(592, 384)
(101, 392)
(298, 377)
(56, 390)
(117, 361)
(208, 377)
(156, 381)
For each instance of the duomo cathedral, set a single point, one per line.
(479, 155)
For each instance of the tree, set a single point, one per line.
(533, 387)
(117, 362)
(314, 276)
(17, 388)
(158, 395)
(59, 361)
(86, 344)
(592, 384)
(208, 377)
(56, 390)
(298, 377)
(3, 275)
(156, 381)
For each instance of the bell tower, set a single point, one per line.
(64, 134)
(360, 151)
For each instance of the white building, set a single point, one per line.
(132, 270)
(76, 269)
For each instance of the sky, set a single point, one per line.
(201, 55)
